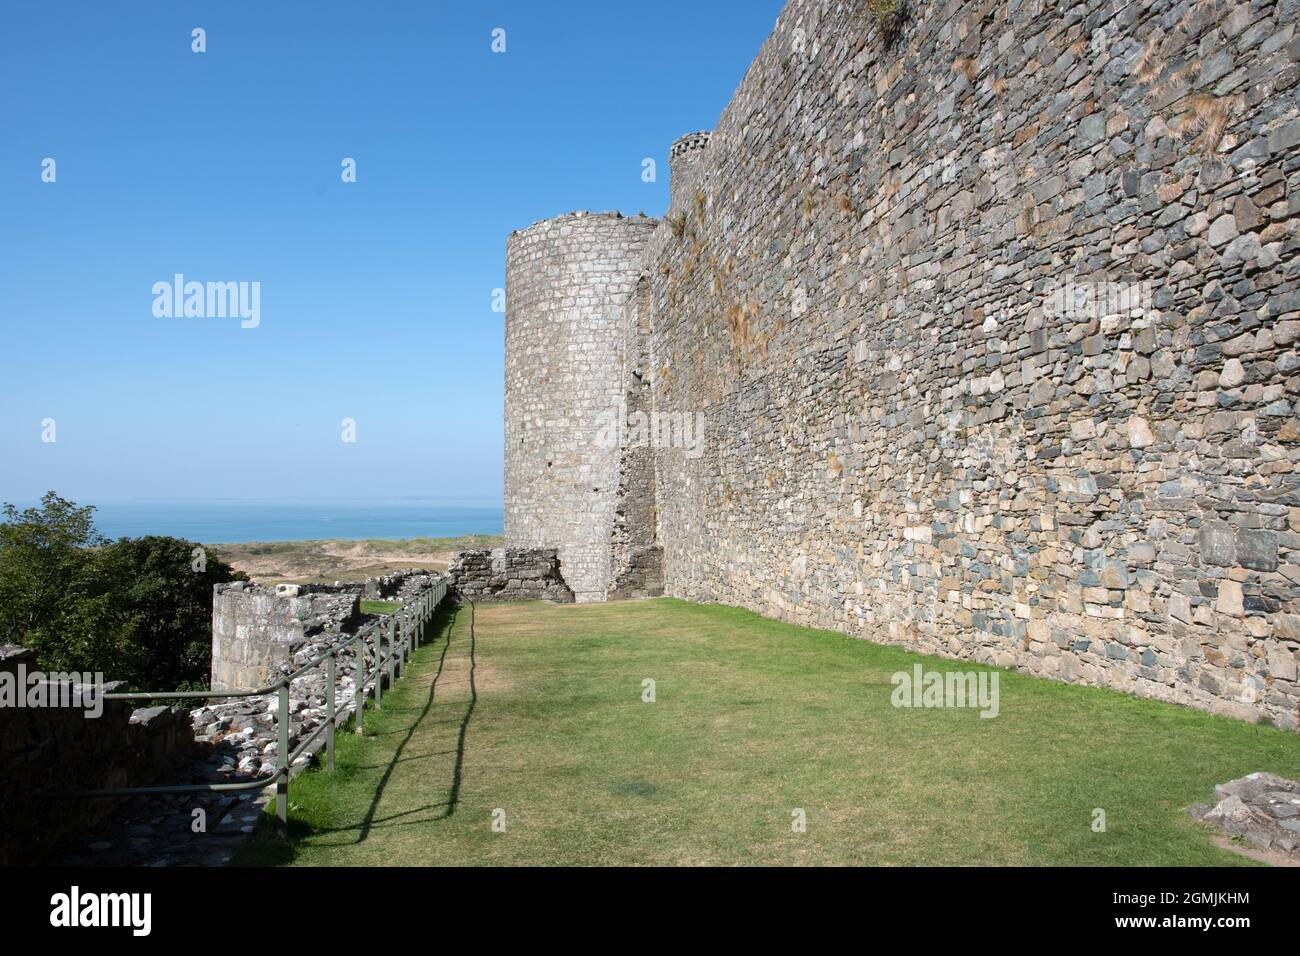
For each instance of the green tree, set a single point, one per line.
(44, 554)
(161, 592)
(137, 610)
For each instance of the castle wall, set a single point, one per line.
(567, 282)
(917, 431)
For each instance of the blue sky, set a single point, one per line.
(375, 296)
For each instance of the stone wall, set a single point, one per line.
(567, 281)
(255, 628)
(685, 160)
(994, 330)
(46, 749)
(400, 586)
(509, 574)
(642, 576)
(932, 422)
(635, 557)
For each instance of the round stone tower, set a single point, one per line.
(684, 160)
(567, 282)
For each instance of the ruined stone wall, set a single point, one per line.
(401, 585)
(254, 629)
(636, 558)
(931, 421)
(567, 281)
(509, 574)
(46, 749)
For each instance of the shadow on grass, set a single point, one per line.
(270, 848)
(458, 768)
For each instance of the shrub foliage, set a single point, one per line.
(137, 610)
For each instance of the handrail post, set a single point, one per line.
(394, 652)
(398, 647)
(329, 712)
(359, 693)
(379, 667)
(282, 755)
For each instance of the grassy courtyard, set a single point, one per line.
(537, 711)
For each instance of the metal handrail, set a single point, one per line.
(260, 692)
(407, 622)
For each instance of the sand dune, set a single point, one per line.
(278, 562)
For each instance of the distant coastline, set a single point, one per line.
(238, 521)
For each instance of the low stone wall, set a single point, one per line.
(244, 728)
(49, 748)
(254, 628)
(247, 724)
(236, 740)
(400, 585)
(509, 574)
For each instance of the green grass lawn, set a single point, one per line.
(538, 712)
(379, 607)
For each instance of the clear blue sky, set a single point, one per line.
(375, 296)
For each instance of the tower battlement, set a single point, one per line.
(685, 161)
(689, 143)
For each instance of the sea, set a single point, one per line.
(240, 521)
